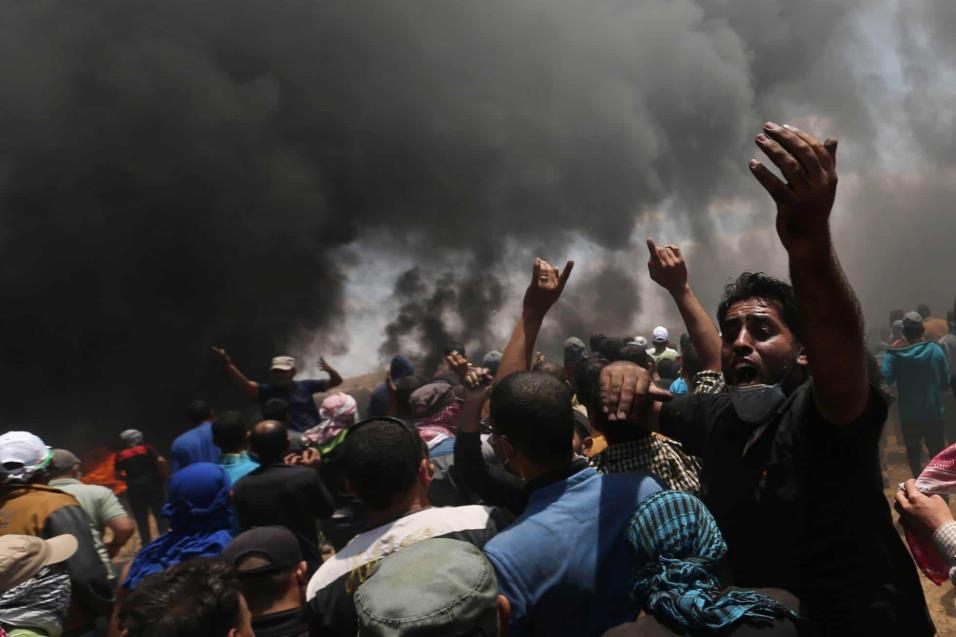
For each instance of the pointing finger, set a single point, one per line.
(565, 274)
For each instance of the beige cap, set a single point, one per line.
(22, 556)
(283, 363)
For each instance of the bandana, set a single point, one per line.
(199, 517)
(938, 478)
(677, 545)
(40, 603)
(338, 412)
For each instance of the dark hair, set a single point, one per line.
(913, 333)
(924, 311)
(552, 369)
(380, 458)
(533, 410)
(634, 354)
(669, 369)
(596, 341)
(690, 361)
(269, 440)
(587, 379)
(611, 347)
(229, 431)
(750, 285)
(198, 598)
(262, 590)
(198, 411)
(895, 315)
(275, 409)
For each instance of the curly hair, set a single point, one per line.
(198, 598)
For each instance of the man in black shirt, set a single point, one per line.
(277, 493)
(272, 575)
(790, 464)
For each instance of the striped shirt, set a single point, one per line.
(329, 593)
(663, 457)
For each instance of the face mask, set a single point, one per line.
(755, 403)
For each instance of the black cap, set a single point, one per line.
(275, 544)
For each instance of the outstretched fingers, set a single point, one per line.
(565, 274)
(771, 183)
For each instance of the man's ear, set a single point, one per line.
(586, 445)
(426, 471)
(504, 615)
(301, 572)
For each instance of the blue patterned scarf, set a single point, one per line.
(677, 544)
(199, 521)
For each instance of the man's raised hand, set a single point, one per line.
(458, 364)
(666, 267)
(221, 353)
(626, 389)
(805, 200)
(546, 286)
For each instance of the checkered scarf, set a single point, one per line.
(677, 544)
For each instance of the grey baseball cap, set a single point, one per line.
(436, 587)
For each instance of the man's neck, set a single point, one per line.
(533, 472)
(290, 601)
(406, 506)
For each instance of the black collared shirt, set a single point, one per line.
(288, 623)
(801, 505)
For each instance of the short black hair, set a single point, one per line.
(924, 311)
(198, 598)
(380, 459)
(275, 409)
(587, 379)
(669, 369)
(551, 368)
(633, 353)
(269, 440)
(750, 285)
(913, 333)
(263, 590)
(229, 431)
(533, 410)
(198, 411)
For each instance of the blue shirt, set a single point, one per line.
(303, 414)
(237, 465)
(921, 374)
(565, 564)
(679, 386)
(195, 445)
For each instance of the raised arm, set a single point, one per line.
(545, 289)
(335, 379)
(249, 387)
(668, 269)
(833, 338)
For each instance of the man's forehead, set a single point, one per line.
(754, 306)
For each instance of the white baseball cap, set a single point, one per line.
(660, 334)
(21, 454)
(283, 363)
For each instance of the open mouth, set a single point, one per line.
(745, 374)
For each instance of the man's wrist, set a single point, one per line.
(815, 248)
(680, 292)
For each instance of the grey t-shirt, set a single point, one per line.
(100, 506)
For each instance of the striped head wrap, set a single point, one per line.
(678, 544)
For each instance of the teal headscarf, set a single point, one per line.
(677, 544)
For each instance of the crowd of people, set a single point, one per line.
(728, 483)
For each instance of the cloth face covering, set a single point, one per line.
(678, 544)
(199, 519)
